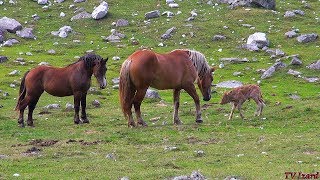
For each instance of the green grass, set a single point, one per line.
(286, 138)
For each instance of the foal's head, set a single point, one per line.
(99, 67)
(205, 83)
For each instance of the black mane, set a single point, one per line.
(88, 60)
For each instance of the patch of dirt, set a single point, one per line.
(207, 106)
(40, 142)
(71, 141)
(193, 140)
(287, 107)
(91, 132)
(82, 142)
(33, 150)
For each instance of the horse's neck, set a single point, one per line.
(81, 68)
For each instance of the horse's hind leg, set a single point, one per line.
(83, 108)
(257, 112)
(22, 106)
(191, 90)
(176, 98)
(31, 107)
(137, 104)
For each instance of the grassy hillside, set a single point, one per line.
(284, 139)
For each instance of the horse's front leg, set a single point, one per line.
(176, 98)
(77, 99)
(83, 108)
(191, 90)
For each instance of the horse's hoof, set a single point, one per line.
(131, 124)
(177, 122)
(76, 121)
(142, 123)
(85, 121)
(21, 125)
(199, 121)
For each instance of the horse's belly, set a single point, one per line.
(59, 92)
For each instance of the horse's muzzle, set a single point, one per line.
(207, 98)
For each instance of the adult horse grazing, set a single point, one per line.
(176, 70)
(75, 79)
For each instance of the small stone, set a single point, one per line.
(116, 58)
(122, 22)
(51, 51)
(293, 72)
(43, 64)
(14, 73)
(111, 156)
(173, 5)
(116, 80)
(199, 153)
(52, 106)
(218, 38)
(95, 103)
(5, 94)
(237, 73)
(69, 107)
(314, 65)
(3, 59)
(152, 94)
(62, 14)
(306, 38)
(295, 61)
(152, 14)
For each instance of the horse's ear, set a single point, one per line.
(106, 60)
(213, 69)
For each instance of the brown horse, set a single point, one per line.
(176, 70)
(74, 79)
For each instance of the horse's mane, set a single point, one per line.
(199, 61)
(88, 60)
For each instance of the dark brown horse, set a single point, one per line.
(176, 70)
(74, 79)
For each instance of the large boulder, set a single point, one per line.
(26, 33)
(11, 25)
(306, 38)
(267, 4)
(101, 11)
(258, 39)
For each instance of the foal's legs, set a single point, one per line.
(137, 104)
(191, 90)
(239, 108)
(83, 108)
(176, 98)
(234, 105)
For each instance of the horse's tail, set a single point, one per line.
(22, 91)
(126, 88)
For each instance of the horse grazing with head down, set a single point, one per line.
(176, 70)
(75, 79)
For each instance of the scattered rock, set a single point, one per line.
(294, 96)
(293, 72)
(43, 64)
(42, 2)
(276, 53)
(195, 175)
(115, 37)
(5, 94)
(237, 73)
(62, 14)
(52, 106)
(267, 4)
(96, 103)
(116, 86)
(14, 73)
(11, 25)
(219, 38)
(311, 79)
(51, 51)
(173, 5)
(314, 65)
(79, 1)
(199, 153)
(116, 80)
(63, 32)
(289, 14)
(152, 14)
(3, 59)
(101, 11)
(26, 33)
(292, 33)
(229, 84)
(2, 156)
(81, 15)
(169, 14)
(306, 38)
(168, 33)
(122, 22)
(234, 60)
(116, 58)
(152, 94)
(259, 39)
(269, 72)
(234, 178)
(2, 35)
(295, 61)
(111, 156)
(69, 107)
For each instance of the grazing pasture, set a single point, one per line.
(284, 139)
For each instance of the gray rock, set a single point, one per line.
(234, 178)
(289, 14)
(293, 72)
(125, 178)
(169, 1)
(81, 15)
(181, 178)
(26, 33)
(173, 5)
(43, 64)
(168, 33)
(229, 84)
(29, 54)
(2, 35)
(11, 25)
(100, 11)
(196, 175)
(294, 96)
(96, 103)
(237, 74)
(234, 60)
(35, 17)
(3, 59)
(314, 65)
(51, 51)
(69, 107)
(152, 14)
(295, 61)
(52, 106)
(14, 73)
(190, 19)
(59, 1)
(116, 80)
(63, 32)
(219, 37)
(2, 156)
(79, 10)
(199, 153)
(259, 39)
(267, 4)
(79, 1)
(291, 34)
(306, 38)
(169, 14)
(112, 38)
(276, 53)
(122, 22)
(152, 94)
(269, 72)
(116, 58)
(111, 156)
(311, 79)
(250, 47)
(299, 12)
(42, 2)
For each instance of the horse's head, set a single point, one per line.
(99, 71)
(205, 83)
